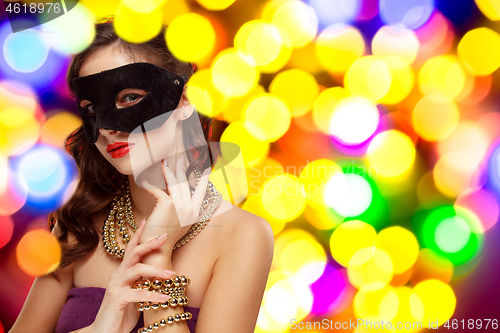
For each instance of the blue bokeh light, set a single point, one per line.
(26, 51)
(27, 56)
(335, 11)
(409, 14)
(47, 171)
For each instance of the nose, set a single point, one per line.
(107, 132)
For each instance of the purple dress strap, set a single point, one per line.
(83, 304)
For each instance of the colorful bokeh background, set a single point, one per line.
(369, 130)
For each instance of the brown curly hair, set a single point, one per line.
(99, 181)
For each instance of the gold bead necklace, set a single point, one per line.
(121, 212)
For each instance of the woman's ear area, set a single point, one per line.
(184, 109)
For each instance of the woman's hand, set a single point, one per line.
(118, 313)
(174, 213)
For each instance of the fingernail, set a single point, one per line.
(165, 162)
(182, 159)
(143, 221)
(165, 296)
(206, 172)
(169, 272)
(162, 236)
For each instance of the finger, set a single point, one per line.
(140, 295)
(135, 237)
(137, 252)
(182, 180)
(171, 182)
(199, 193)
(139, 270)
(157, 193)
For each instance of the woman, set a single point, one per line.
(94, 288)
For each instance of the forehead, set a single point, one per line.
(108, 57)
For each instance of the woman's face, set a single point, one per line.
(131, 153)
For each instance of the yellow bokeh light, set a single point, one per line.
(325, 104)
(366, 303)
(143, 6)
(338, 48)
(402, 82)
(370, 268)
(260, 41)
(267, 117)
(369, 77)
(174, 9)
(305, 58)
(232, 76)
(58, 127)
(435, 117)
(136, 27)
(283, 197)
(233, 109)
(252, 149)
(260, 172)
(442, 75)
(297, 88)
(391, 153)
(190, 37)
(401, 245)
(490, 8)
(322, 217)
(279, 62)
(432, 300)
(300, 253)
(393, 41)
(479, 51)
(348, 238)
(315, 176)
(201, 92)
(254, 206)
(270, 7)
(101, 8)
(18, 129)
(298, 21)
(216, 4)
(396, 306)
(281, 242)
(38, 252)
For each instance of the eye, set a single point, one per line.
(129, 97)
(87, 108)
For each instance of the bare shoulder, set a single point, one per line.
(244, 228)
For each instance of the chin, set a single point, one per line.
(124, 167)
(127, 171)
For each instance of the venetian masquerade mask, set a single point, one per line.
(103, 101)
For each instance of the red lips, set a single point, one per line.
(119, 149)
